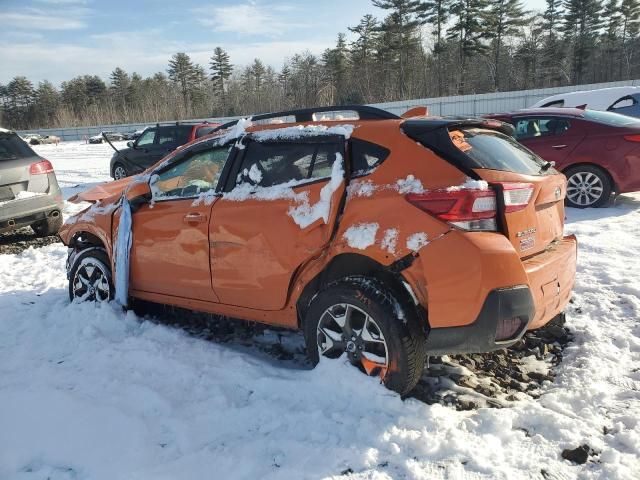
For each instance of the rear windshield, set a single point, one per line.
(611, 119)
(12, 147)
(496, 151)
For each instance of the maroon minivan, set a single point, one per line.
(599, 152)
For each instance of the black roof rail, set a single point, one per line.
(306, 114)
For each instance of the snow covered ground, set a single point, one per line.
(89, 392)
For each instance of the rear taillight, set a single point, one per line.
(473, 210)
(516, 196)
(41, 167)
(632, 138)
(466, 209)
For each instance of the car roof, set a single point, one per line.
(558, 111)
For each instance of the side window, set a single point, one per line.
(167, 136)
(623, 102)
(540, 127)
(198, 173)
(266, 164)
(365, 156)
(147, 138)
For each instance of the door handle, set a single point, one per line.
(559, 147)
(195, 218)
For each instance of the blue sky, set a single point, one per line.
(59, 39)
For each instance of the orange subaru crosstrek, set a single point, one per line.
(385, 239)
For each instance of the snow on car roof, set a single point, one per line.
(599, 99)
(4, 130)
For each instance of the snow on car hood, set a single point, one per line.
(102, 191)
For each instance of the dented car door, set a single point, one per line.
(279, 211)
(170, 247)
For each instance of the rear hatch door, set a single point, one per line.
(16, 158)
(529, 191)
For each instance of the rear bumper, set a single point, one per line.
(501, 305)
(551, 277)
(20, 213)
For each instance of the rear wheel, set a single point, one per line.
(90, 277)
(358, 319)
(587, 186)
(47, 227)
(119, 171)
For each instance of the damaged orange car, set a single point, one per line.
(385, 239)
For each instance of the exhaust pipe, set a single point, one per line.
(55, 214)
(11, 223)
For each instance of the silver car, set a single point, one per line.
(29, 191)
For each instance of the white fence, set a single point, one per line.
(458, 105)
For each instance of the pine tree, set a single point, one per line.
(183, 73)
(335, 61)
(469, 29)
(552, 54)
(611, 19)
(582, 21)
(47, 100)
(20, 95)
(401, 25)
(119, 86)
(363, 51)
(437, 12)
(221, 70)
(630, 16)
(504, 18)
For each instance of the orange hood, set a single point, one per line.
(102, 191)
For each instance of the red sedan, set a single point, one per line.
(599, 152)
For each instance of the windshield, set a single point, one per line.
(496, 151)
(12, 147)
(611, 119)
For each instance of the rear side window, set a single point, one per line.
(266, 164)
(177, 135)
(496, 151)
(366, 156)
(12, 147)
(540, 127)
(624, 102)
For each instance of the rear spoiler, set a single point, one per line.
(419, 126)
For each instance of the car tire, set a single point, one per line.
(47, 227)
(587, 186)
(375, 335)
(90, 277)
(119, 172)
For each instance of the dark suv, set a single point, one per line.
(153, 144)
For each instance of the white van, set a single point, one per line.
(625, 100)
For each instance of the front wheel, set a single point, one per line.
(90, 277)
(358, 319)
(587, 186)
(119, 172)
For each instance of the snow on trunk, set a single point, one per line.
(122, 250)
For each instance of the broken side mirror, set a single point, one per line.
(130, 144)
(138, 192)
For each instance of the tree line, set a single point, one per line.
(419, 49)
